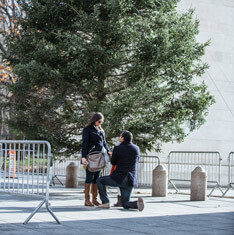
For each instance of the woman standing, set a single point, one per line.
(93, 139)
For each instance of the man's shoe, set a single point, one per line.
(118, 203)
(140, 204)
(105, 206)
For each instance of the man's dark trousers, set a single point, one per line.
(125, 190)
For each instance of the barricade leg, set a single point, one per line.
(226, 190)
(170, 182)
(52, 180)
(229, 186)
(34, 212)
(220, 189)
(216, 186)
(52, 183)
(38, 208)
(52, 213)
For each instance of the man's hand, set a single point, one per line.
(109, 154)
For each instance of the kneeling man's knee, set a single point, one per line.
(98, 181)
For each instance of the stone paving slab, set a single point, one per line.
(175, 214)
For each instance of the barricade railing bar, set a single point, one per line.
(145, 169)
(182, 163)
(25, 170)
(230, 173)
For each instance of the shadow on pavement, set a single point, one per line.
(210, 223)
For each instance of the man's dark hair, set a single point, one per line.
(127, 135)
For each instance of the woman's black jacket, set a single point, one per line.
(94, 140)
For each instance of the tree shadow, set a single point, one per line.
(209, 223)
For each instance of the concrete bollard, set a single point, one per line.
(198, 184)
(159, 184)
(72, 176)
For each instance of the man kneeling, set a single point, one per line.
(126, 157)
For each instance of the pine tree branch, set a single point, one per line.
(122, 74)
(3, 49)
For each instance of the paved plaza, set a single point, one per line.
(175, 214)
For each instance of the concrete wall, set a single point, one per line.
(217, 24)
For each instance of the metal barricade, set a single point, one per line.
(25, 170)
(60, 165)
(145, 169)
(230, 172)
(181, 164)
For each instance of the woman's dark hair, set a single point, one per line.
(127, 135)
(97, 116)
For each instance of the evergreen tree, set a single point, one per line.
(136, 61)
(9, 11)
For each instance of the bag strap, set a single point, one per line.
(91, 149)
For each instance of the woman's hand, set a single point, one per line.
(109, 154)
(84, 161)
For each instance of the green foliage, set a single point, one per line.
(136, 61)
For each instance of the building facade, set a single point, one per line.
(216, 24)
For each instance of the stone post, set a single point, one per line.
(72, 176)
(159, 184)
(198, 184)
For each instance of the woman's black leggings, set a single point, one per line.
(91, 177)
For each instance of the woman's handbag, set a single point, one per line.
(96, 161)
